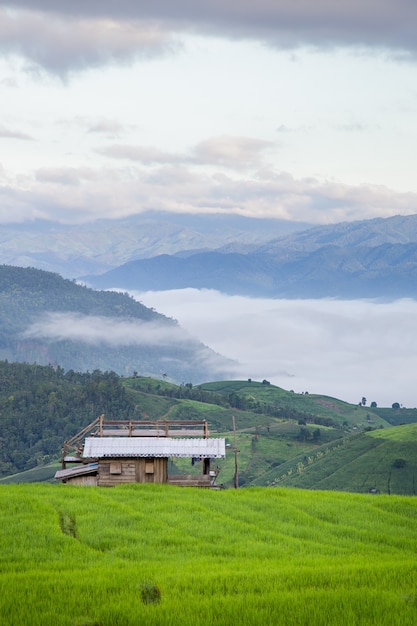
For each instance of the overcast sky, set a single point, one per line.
(300, 110)
(345, 349)
(292, 109)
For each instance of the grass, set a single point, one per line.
(158, 555)
(404, 433)
(383, 461)
(41, 474)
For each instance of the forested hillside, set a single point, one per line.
(41, 406)
(46, 319)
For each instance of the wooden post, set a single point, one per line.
(236, 477)
(206, 467)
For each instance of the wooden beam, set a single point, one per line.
(236, 476)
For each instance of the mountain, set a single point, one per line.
(234, 254)
(47, 319)
(231, 273)
(374, 259)
(74, 250)
(399, 229)
(385, 271)
(231, 253)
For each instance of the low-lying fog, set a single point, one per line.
(346, 349)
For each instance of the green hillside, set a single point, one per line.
(41, 474)
(382, 461)
(262, 396)
(303, 440)
(158, 555)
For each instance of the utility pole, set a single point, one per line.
(236, 478)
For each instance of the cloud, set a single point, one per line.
(352, 127)
(346, 349)
(107, 127)
(64, 45)
(9, 82)
(141, 154)
(283, 23)
(95, 329)
(67, 36)
(65, 175)
(231, 151)
(224, 151)
(84, 194)
(7, 133)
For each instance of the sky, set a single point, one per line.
(343, 349)
(293, 109)
(275, 108)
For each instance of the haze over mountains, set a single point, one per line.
(234, 254)
(95, 247)
(372, 259)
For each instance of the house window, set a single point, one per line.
(149, 468)
(115, 467)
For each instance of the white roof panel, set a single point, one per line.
(99, 447)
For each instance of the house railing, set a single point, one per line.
(100, 427)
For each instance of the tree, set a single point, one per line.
(303, 435)
(373, 405)
(363, 401)
(316, 435)
(396, 405)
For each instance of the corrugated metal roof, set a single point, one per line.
(91, 468)
(99, 447)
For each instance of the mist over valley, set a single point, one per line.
(342, 348)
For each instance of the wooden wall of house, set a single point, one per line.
(86, 481)
(144, 470)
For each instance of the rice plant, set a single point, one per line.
(160, 555)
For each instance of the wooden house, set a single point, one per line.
(110, 453)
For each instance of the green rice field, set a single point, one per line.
(163, 555)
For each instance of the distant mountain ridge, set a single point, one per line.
(91, 248)
(373, 258)
(384, 271)
(398, 229)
